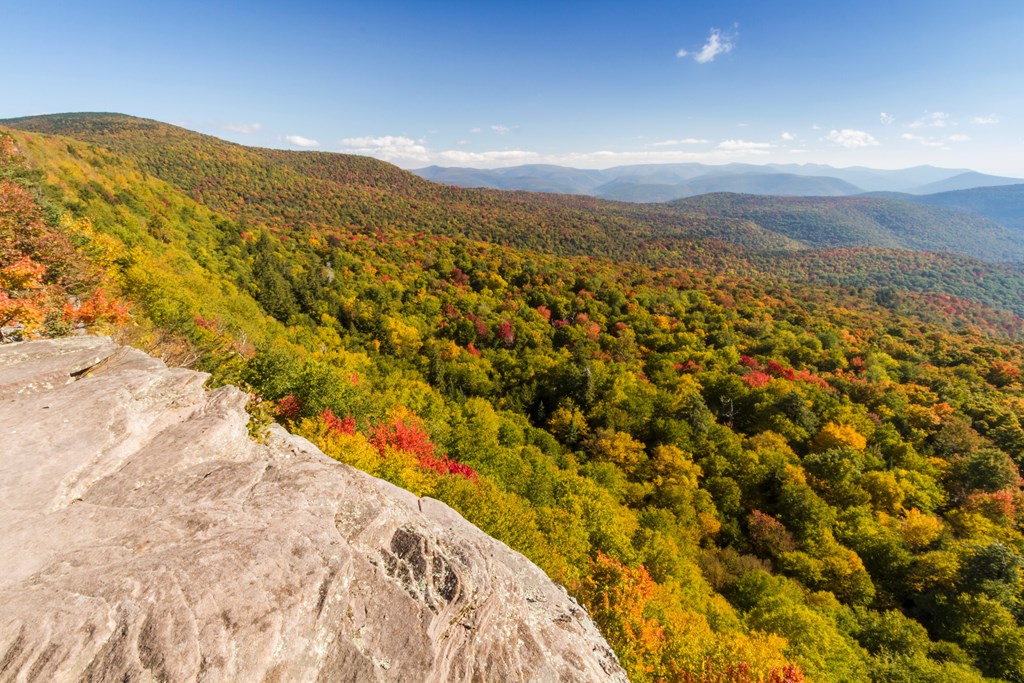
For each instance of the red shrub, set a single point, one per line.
(756, 379)
(288, 407)
(338, 425)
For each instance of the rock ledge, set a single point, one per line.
(145, 537)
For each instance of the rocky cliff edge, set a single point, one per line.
(145, 537)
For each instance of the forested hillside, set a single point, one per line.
(742, 476)
(1004, 204)
(868, 222)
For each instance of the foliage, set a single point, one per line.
(741, 477)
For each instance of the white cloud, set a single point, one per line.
(474, 130)
(718, 43)
(850, 139)
(675, 143)
(745, 146)
(411, 154)
(927, 142)
(501, 157)
(887, 119)
(299, 141)
(243, 127)
(935, 119)
(500, 129)
(986, 120)
(936, 142)
(396, 148)
(728, 150)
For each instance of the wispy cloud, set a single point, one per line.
(934, 119)
(936, 141)
(927, 142)
(412, 154)
(886, 119)
(501, 157)
(416, 153)
(245, 128)
(745, 146)
(676, 143)
(397, 148)
(851, 139)
(500, 129)
(718, 43)
(299, 141)
(986, 120)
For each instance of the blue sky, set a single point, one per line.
(590, 84)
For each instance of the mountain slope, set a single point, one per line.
(866, 221)
(340, 194)
(285, 189)
(1001, 204)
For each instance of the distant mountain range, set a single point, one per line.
(666, 182)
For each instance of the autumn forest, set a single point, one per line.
(758, 439)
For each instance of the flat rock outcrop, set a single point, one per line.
(145, 537)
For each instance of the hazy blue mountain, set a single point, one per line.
(634, 189)
(876, 179)
(1003, 204)
(533, 178)
(965, 181)
(664, 182)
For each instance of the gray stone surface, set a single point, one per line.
(145, 537)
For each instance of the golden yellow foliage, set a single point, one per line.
(616, 447)
(835, 435)
(920, 530)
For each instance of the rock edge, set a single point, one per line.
(145, 537)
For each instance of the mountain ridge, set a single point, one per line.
(675, 181)
(288, 190)
(268, 185)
